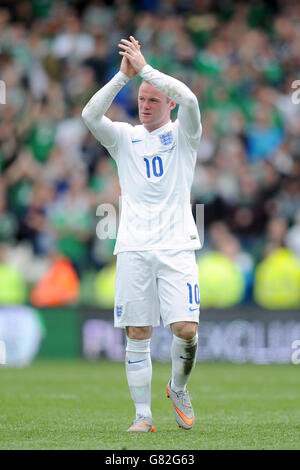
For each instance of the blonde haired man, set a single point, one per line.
(157, 275)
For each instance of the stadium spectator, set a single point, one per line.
(13, 289)
(72, 43)
(8, 221)
(292, 239)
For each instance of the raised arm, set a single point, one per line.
(188, 113)
(100, 126)
(93, 113)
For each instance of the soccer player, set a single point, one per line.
(157, 275)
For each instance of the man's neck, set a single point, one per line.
(154, 128)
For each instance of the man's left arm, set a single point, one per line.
(188, 112)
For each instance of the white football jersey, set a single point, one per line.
(155, 168)
(156, 173)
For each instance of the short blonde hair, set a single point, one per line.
(145, 81)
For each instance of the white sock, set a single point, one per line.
(139, 374)
(183, 355)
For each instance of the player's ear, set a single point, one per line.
(172, 105)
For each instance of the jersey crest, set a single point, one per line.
(167, 138)
(119, 310)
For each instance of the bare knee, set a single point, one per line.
(184, 329)
(139, 332)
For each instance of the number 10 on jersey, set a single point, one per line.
(155, 168)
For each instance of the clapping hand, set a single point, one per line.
(132, 52)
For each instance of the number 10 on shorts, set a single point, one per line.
(193, 293)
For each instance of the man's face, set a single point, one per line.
(154, 107)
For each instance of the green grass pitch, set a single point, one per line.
(86, 405)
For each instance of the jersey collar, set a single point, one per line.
(158, 130)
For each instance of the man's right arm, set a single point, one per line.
(100, 126)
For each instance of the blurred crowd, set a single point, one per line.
(240, 59)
